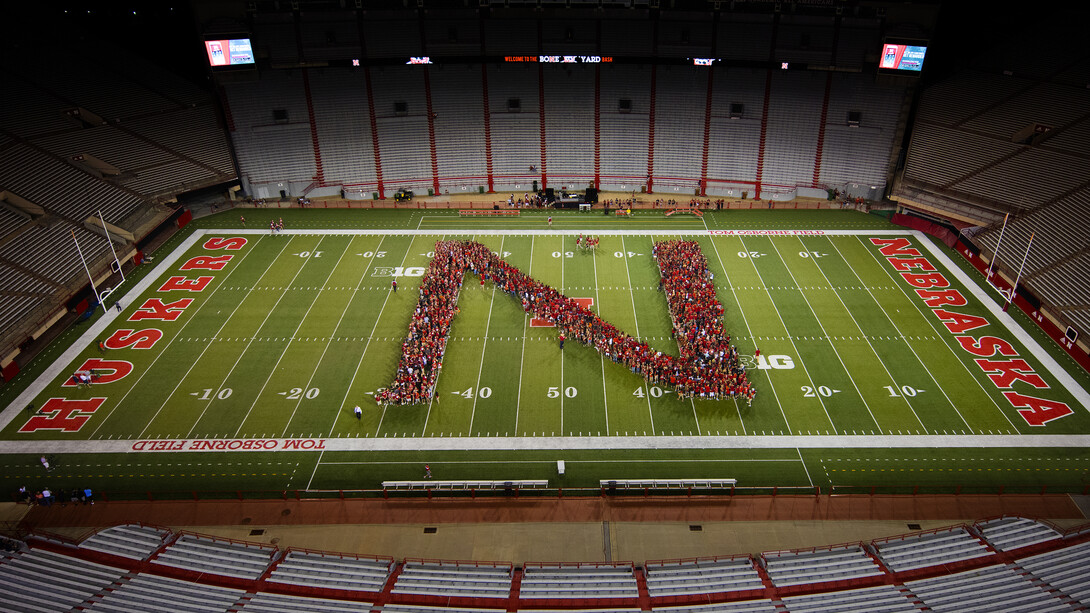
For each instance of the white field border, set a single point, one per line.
(562, 443)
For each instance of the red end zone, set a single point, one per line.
(537, 322)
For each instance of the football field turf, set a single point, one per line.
(245, 348)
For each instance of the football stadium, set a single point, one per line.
(576, 305)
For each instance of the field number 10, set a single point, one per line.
(906, 390)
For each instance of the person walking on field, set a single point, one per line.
(550, 221)
(393, 284)
(427, 471)
(561, 339)
(358, 411)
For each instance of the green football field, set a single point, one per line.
(239, 355)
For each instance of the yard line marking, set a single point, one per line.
(934, 325)
(749, 331)
(177, 335)
(561, 289)
(525, 330)
(860, 328)
(899, 332)
(370, 337)
(244, 349)
(318, 364)
(826, 335)
(598, 303)
(806, 470)
(209, 346)
(284, 352)
(484, 348)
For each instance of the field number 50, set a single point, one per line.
(569, 392)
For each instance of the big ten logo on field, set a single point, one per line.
(765, 362)
(398, 271)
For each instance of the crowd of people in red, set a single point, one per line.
(697, 317)
(708, 366)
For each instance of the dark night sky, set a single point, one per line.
(165, 32)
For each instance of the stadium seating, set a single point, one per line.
(207, 555)
(454, 579)
(268, 602)
(150, 593)
(578, 581)
(987, 590)
(882, 599)
(315, 569)
(835, 564)
(48, 574)
(1009, 533)
(701, 576)
(41, 580)
(1063, 569)
(741, 606)
(129, 540)
(930, 549)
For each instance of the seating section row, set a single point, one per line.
(454, 579)
(578, 581)
(701, 577)
(313, 569)
(208, 555)
(409, 128)
(930, 549)
(49, 576)
(128, 540)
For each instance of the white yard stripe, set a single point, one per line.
(178, 334)
(209, 345)
(806, 470)
(382, 310)
(939, 331)
(826, 335)
(899, 333)
(790, 339)
(749, 331)
(563, 443)
(318, 364)
(284, 352)
(227, 377)
(866, 338)
(561, 290)
(525, 333)
(484, 349)
(598, 304)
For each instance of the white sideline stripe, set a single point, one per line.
(562, 443)
(1053, 367)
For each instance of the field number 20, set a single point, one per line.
(812, 392)
(569, 392)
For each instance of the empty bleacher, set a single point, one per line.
(269, 602)
(41, 580)
(988, 590)
(1063, 569)
(741, 606)
(437, 578)
(208, 555)
(827, 564)
(148, 593)
(881, 599)
(701, 576)
(346, 572)
(578, 581)
(1008, 533)
(129, 540)
(930, 549)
